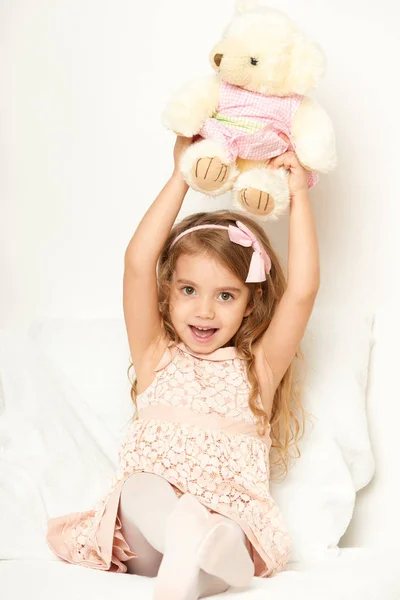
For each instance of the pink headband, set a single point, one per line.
(260, 264)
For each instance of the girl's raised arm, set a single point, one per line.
(140, 295)
(282, 339)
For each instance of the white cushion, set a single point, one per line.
(317, 498)
(50, 462)
(357, 574)
(93, 356)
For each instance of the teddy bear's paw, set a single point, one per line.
(207, 168)
(210, 174)
(257, 202)
(262, 192)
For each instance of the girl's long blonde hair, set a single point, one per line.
(287, 416)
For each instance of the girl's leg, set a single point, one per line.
(146, 503)
(148, 559)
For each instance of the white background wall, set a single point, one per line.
(83, 153)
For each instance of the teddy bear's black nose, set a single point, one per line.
(217, 59)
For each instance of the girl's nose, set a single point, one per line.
(205, 309)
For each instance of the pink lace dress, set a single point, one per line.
(195, 430)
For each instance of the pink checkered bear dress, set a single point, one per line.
(196, 430)
(247, 124)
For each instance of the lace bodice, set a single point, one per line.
(207, 384)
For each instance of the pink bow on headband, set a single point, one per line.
(260, 264)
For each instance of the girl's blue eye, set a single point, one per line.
(225, 296)
(188, 290)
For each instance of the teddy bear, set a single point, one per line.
(254, 107)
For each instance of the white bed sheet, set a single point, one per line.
(355, 574)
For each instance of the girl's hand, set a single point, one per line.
(298, 175)
(181, 144)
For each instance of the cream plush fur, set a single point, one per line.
(288, 63)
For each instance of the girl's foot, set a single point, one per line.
(224, 554)
(222, 551)
(196, 540)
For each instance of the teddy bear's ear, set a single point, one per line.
(216, 55)
(307, 65)
(242, 6)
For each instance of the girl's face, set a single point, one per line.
(207, 303)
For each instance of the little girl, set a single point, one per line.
(213, 329)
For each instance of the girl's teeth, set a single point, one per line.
(204, 332)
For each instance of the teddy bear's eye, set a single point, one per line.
(253, 61)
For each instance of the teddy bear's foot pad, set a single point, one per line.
(256, 201)
(210, 173)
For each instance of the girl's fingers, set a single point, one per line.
(284, 160)
(288, 160)
(182, 143)
(273, 164)
(185, 141)
(284, 137)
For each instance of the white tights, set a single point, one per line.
(177, 540)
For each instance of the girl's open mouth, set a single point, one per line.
(202, 334)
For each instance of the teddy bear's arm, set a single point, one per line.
(189, 108)
(314, 136)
